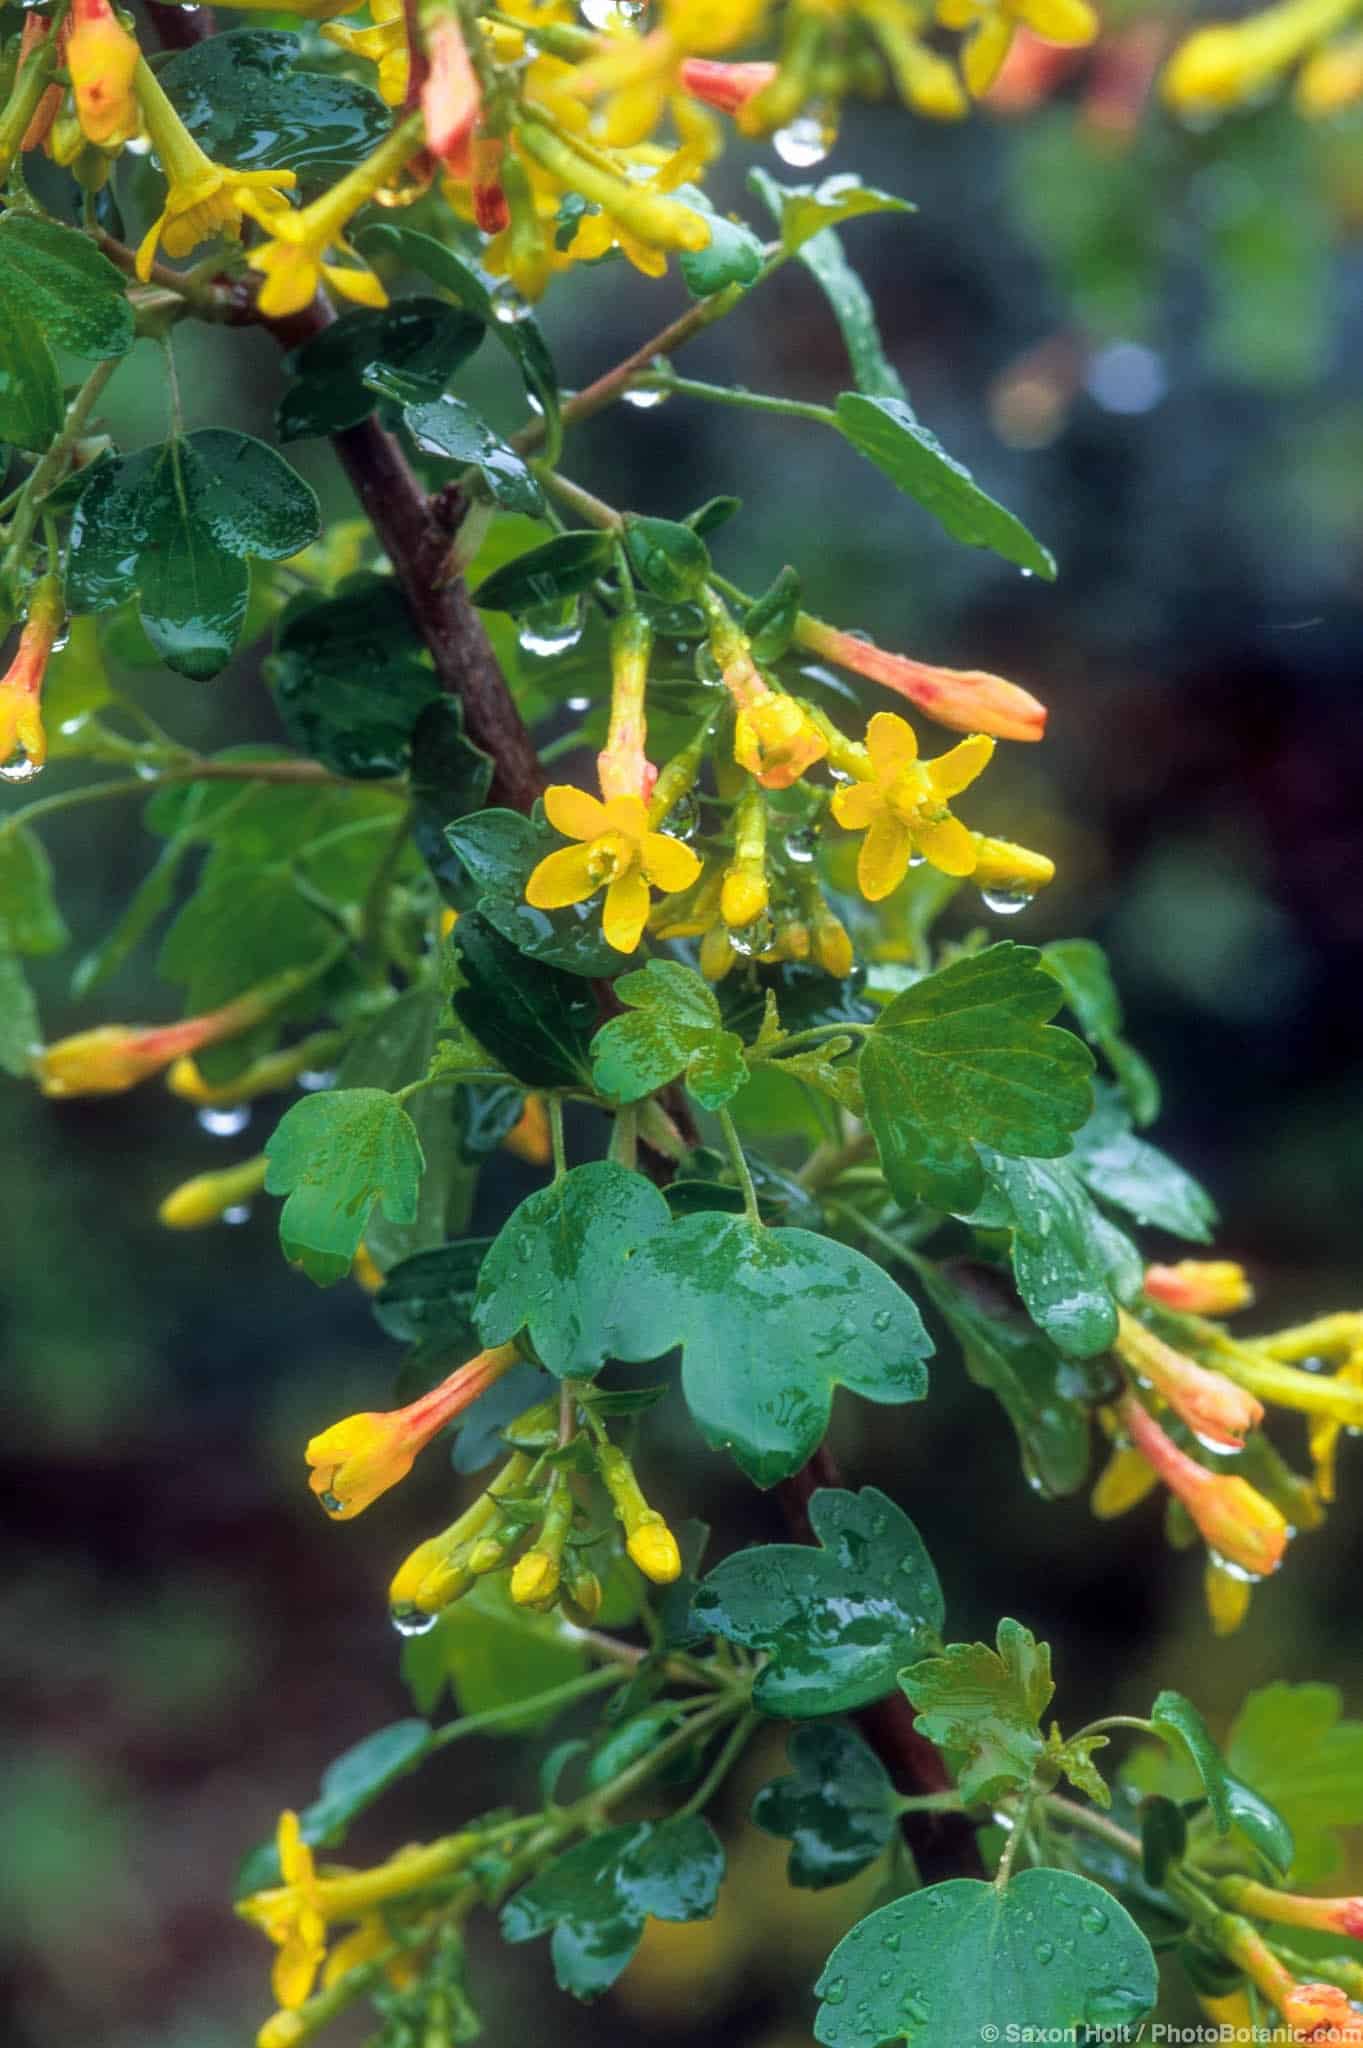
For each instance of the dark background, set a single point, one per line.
(1148, 348)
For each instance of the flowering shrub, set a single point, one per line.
(402, 901)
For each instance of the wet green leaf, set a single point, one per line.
(30, 921)
(1138, 1178)
(1180, 1723)
(175, 525)
(351, 679)
(886, 432)
(31, 409)
(66, 288)
(837, 1622)
(597, 1897)
(562, 567)
(803, 210)
(247, 102)
(1081, 968)
(672, 1027)
(967, 1056)
(562, 1269)
(1049, 1956)
(733, 255)
(533, 1018)
(1290, 1746)
(771, 1322)
(399, 1045)
(670, 559)
(407, 352)
(1070, 1264)
(984, 1706)
(495, 851)
(429, 1296)
(241, 926)
(335, 1156)
(770, 620)
(448, 428)
(838, 1809)
(492, 1654)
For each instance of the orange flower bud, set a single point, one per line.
(1200, 1287)
(967, 700)
(360, 1458)
(1237, 1523)
(102, 57)
(726, 86)
(1218, 1412)
(114, 1057)
(1322, 2012)
(21, 686)
(451, 97)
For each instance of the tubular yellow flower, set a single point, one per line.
(745, 890)
(1235, 1521)
(966, 700)
(831, 944)
(1226, 63)
(21, 686)
(365, 1271)
(282, 2030)
(265, 1076)
(1227, 1596)
(295, 259)
(384, 45)
(902, 805)
(1214, 1408)
(203, 199)
(438, 1571)
(617, 852)
(1200, 1287)
(204, 1199)
(1294, 1909)
(649, 217)
(1123, 1483)
(114, 1057)
(357, 1460)
(1324, 1432)
(292, 1916)
(999, 864)
(535, 1578)
(102, 58)
(648, 1539)
(1331, 79)
(775, 739)
(653, 1548)
(622, 766)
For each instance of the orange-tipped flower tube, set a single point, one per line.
(358, 1459)
(967, 700)
(1242, 1527)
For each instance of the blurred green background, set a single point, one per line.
(1147, 344)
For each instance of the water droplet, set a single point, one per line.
(1215, 1446)
(551, 629)
(749, 939)
(412, 1621)
(1232, 1569)
(313, 1079)
(237, 1214)
(1093, 1920)
(1006, 902)
(886, 1977)
(683, 819)
(508, 306)
(644, 401)
(882, 1319)
(1114, 2006)
(332, 1502)
(893, 1942)
(916, 860)
(834, 1991)
(801, 846)
(579, 704)
(913, 2007)
(224, 1123)
(806, 141)
(1044, 1952)
(21, 769)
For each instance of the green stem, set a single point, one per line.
(723, 394)
(1076, 1816)
(740, 1165)
(826, 1164)
(624, 1145)
(931, 1802)
(1118, 1721)
(558, 1696)
(556, 1136)
(48, 471)
(593, 509)
(738, 1739)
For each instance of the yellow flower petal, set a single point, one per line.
(626, 911)
(668, 863)
(562, 878)
(892, 744)
(573, 812)
(360, 286)
(627, 814)
(884, 858)
(295, 1857)
(856, 803)
(295, 1970)
(953, 772)
(948, 845)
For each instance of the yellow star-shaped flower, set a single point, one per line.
(617, 853)
(293, 1916)
(901, 805)
(205, 204)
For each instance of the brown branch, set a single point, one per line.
(943, 1844)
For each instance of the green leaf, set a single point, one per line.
(771, 1322)
(495, 851)
(248, 102)
(1179, 1721)
(670, 559)
(175, 525)
(1068, 1261)
(1081, 969)
(1042, 1394)
(448, 428)
(398, 1045)
(428, 1298)
(31, 409)
(562, 1269)
(240, 927)
(770, 620)
(838, 1810)
(569, 563)
(20, 1030)
(452, 273)
(672, 1028)
(30, 921)
(1289, 1744)
(732, 256)
(58, 278)
(407, 351)
(874, 373)
(803, 210)
(351, 678)
(985, 1706)
(1164, 1838)
(1262, 1824)
(492, 1654)
(966, 1056)
(357, 1778)
(886, 432)
(335, 1155)
(837, 1622)
(597, 1897)
(536, 1020)
(1046, 1958)
(1137, 1177)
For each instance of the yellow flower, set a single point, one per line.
(293, 1917)
(102, 59)
(902, 805)
(1236, 1521)
(776, 740)
(617, 853)
(113, 1057)
(1323, 1436)
(1227, 1596)
(295, 261)
(653, 1548)
(21, 686)
(204, 1199)
(384, 45)
(1200, 1287)
(1216, 1410)
(203, 199)
(358, 1459)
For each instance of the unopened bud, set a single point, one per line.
(1200, 1287)
(653, 1548)
(535, 1578)
(743, 898)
